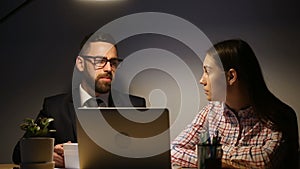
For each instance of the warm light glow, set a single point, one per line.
(101, 0)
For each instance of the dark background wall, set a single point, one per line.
(39, 42)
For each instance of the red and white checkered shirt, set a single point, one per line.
(245, 141)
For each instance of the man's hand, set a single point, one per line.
(58, 155)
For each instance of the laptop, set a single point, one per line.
(122, 137)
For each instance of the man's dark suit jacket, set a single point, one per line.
(62, 109)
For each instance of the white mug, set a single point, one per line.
(71, 155)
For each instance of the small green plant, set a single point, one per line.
(38, 128)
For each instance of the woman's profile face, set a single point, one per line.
(213, 79)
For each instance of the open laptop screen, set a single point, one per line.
(123, 138)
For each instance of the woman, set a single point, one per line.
(257, 129)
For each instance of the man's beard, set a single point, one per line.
(98, 85)
(102, 87)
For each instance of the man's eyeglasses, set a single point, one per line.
(100, 61)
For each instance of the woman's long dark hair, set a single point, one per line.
(238, 55)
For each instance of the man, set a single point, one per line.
(96, 65)
(257, 130)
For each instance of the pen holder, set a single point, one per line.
(209, 156)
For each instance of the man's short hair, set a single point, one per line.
(96, 37)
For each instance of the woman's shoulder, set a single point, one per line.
(214, 106)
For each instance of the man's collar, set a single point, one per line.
(84, 96)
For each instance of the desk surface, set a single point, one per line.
(11, 166)
(8, 166)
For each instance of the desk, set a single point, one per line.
(11, 166)
(8, 166)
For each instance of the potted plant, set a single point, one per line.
(37, 147)
(38, 128)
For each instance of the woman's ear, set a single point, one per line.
(231, 76)
(79, 63)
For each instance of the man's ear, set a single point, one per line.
(79, 63)
(231, 76)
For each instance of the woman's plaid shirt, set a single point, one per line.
(246, 143)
